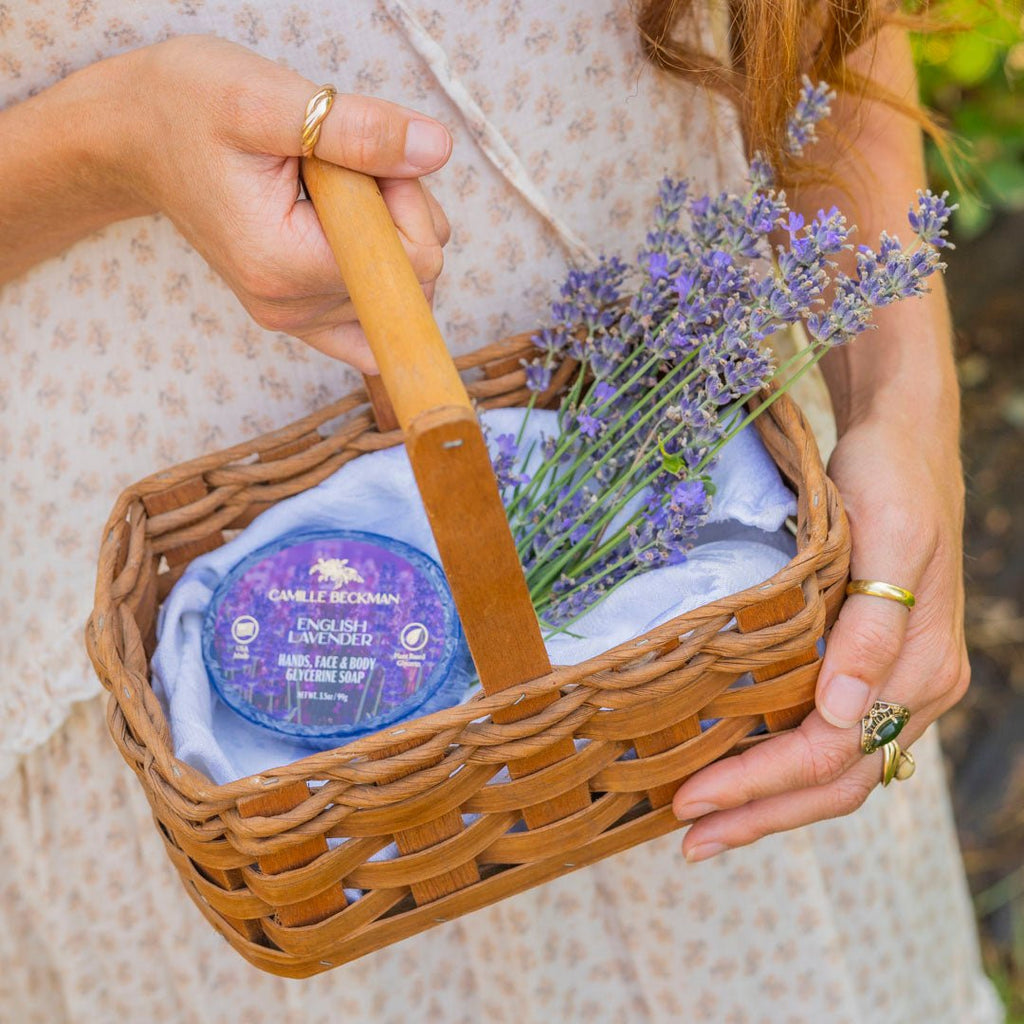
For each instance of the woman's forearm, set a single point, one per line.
(60, 174)
(905, 367)
(209, 134)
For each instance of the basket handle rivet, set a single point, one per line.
(518, 699)
(457, 443)
(397, 732)
(440, 920)
(572, 865)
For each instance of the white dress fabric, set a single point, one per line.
(127, 354)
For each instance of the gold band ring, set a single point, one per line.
(896, 763)
(316, 110)
(877, 588)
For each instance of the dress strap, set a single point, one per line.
(490, 140)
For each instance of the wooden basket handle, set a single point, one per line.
(443, 438)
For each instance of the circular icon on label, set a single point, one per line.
(244, 629)
(414, 637)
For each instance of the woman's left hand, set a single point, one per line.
(903, 492)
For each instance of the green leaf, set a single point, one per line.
(1005, 179)
(671, 463)
(972, 59)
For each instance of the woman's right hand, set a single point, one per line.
(213, 142)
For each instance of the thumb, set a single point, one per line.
(259, 106)
(382, 138)
(864, 644)
(363, 133)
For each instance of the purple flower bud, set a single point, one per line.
(657, 266)
(507, 445)
(687, 496)
(589, 425)
(795, 222)
(812, 106)
(761, 175)
(930, 218)
(538, 376)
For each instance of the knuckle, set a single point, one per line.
(429, 262)
(874, 642)
(237, 108)
(757, 821)
(272, 318)
(256, 285)
(954, 681)
(758, 827)
(245, 115)
(962, 683)
(821, 763)
(847, 795)
(271, 307)
(444, 229)
(266, 293)
(905, 530)
(367, 138)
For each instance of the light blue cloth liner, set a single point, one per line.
(742, 545)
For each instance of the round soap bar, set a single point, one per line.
(326, 636)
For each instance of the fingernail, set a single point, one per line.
(844, 701)
(426, 144)
(695, 810)
(704, 852)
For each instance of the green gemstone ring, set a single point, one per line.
(882, 724)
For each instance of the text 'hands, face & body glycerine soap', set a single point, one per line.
(327, 636)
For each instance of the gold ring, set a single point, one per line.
(316, 110)
(896, 763)
(882, 724)
(876, 588)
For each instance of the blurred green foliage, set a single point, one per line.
(974, 78)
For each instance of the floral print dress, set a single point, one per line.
(126, 354)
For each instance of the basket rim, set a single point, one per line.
(818, 504)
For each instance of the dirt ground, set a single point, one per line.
(984, 735)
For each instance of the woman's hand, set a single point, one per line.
(221, 131)
(209, 133)
(904, 497)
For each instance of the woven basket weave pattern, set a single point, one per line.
(266, 879)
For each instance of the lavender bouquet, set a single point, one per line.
(670, 348)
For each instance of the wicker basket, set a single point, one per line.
(253, 853)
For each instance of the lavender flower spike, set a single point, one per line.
(538, 376)
(505, 459)
(812, 106)
(930, 218)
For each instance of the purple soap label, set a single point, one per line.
(330, 634)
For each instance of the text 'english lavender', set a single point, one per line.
(670, 348)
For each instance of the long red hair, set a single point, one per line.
(772, 44)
